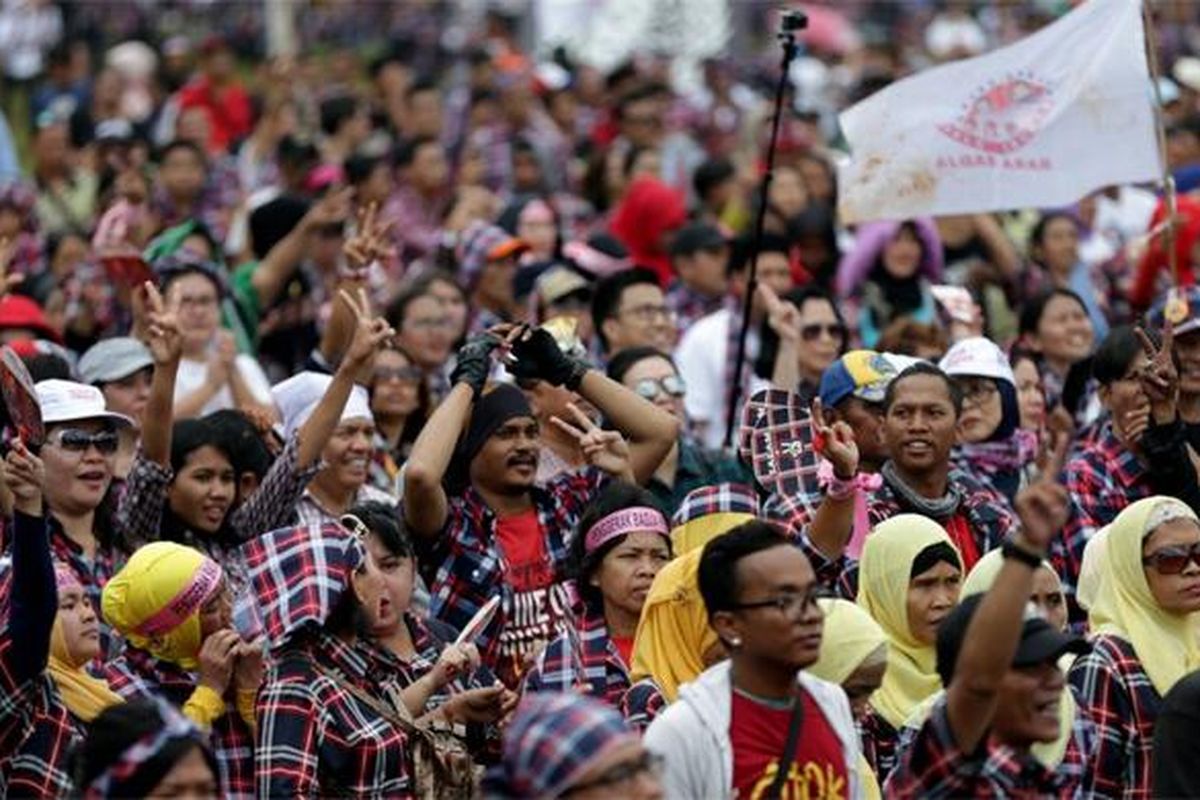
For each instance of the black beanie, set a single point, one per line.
(495, 407)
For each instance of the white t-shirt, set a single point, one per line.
(192, 374)
(705, 360)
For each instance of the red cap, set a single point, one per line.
(18, 311)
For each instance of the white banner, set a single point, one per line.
(1038, 123)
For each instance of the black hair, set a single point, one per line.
(406, 153)
(1037, 237)
(359, 167)
(181, 144)
(711, 174)
(398, 310)
(615, 496)
(717, 573)
(608, 293)
(931, 556)
(739, 252)
(764, 365)
(241, 441)
(625, 360)
(1031, 314)
(645, 91)
(46, 366)
(924, 368)
(118, 728)
(1114, 355)
(631, 157)
(384, 522)
(334, 112)
(271, 223)
(424, 84)
(188, 436)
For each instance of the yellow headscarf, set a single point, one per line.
(883, 577)
(695, 534)
(1050, 754)
(155, 600)
(1165, 643)
(84, 696)
(673, 633)
(848, 638)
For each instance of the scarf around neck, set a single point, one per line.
(940, 509)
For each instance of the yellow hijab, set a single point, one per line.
(693, 535)
(1165, 643)
(155, 600)
(84, 696)
(849, 637)
(673, 633)
(979, 580)
(883, 577)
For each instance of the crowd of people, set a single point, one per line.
(386, 448)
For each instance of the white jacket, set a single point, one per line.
(692, 735)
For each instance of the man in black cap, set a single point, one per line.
(1003, 684)
(699, 256)
(485, 528)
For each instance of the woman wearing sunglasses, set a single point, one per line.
(652, 375)
(400, 405)
(1143, 623)
(622, 542)
(79, 457)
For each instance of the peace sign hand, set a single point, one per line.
(369, 243)
(835, 442)
(370, 332)
(157, 324)
(1160, 378)
(604, 449)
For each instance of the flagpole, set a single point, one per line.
(1168, 181)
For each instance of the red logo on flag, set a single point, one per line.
(1003, 115)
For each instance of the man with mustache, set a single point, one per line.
(484, 527)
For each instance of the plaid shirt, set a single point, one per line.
(935, 767)
(36, 733)
(879, 740)
(694, 469)
(472, 570)
(315, 737)
(582, 659)
(1102, 479)
(416, 223)
(139, 674)
(1116, 693)
(309, 510)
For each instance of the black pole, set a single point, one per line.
(791, 23)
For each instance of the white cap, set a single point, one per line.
(68, 401)
(298, 396)
(980, 357)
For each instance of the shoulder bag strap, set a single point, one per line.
(775, 790)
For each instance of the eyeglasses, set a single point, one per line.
(354, 525)
(74, 440)
(810, 333)
(790, 604)
(978, 392)
(650, 313)
(671, 386)
(626, 771)
(382, 374)
(1173, 560)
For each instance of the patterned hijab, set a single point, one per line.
(299, 574)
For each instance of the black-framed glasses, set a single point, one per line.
(646, 763)
(789, 603)
(978, 391)
(810, 333)
(649, 388)
(1174, 559)
(74, 440)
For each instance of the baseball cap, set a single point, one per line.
(1040, 641)
(977, 356)
(1181, 306)
(507, 248)
(113, 359)
(68, 401)
(697, 236)
(557, 282)
(864, 374)
(19, 311)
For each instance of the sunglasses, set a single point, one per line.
(397, 374)
(649, 388)
(74, 440)
(810, 333)
(1173, 560)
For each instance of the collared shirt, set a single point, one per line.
(317, 737)
(1103, 478)
(310, 511)
(137, 673)
(1117, 695)
(695, 468)
(584, 659)
(472, 568)
(935, 767)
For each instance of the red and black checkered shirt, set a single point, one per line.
(1116, 693)
(36, 733)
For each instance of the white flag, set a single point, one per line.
(1039, 123)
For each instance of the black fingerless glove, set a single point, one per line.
(474, 362)
(539, 357)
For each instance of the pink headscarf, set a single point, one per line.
(869, 242)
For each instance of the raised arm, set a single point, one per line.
(833, 522)
(368, 245)
(279, 264)
(425, 503)
(166, 347)
(992, 637)
(784, 319)
(34, 597)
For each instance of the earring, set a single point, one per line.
(735, 642)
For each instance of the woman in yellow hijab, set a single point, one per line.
(75, 643)
(171, 604)
(909, 580)
(854, 656)
(1144, 620)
